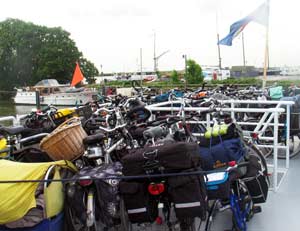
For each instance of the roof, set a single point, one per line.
(48, 83)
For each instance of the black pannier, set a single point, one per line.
(257, 180)
(107, 199)
(189, 196)
(294, 116)
(140, 206)
(171, 157)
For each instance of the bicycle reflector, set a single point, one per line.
(85, 182)
(231, 163)
(254, 135)
(156, 188)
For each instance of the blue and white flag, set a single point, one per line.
(260, 15)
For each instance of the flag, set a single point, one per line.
(260, 15)
(77, 76)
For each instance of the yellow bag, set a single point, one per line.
(16, 199)
(3, 145)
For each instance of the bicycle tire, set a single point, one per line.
(188, 224)
(125, 222)
(241, 206)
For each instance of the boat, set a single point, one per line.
(51, 92)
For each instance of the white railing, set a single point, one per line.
(270, 118)
(14, 119)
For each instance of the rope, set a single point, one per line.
(114, 177)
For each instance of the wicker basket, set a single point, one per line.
(66, 141)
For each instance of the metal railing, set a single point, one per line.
(270, 118)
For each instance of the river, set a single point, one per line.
(7, 108)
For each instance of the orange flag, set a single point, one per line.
(77, 76)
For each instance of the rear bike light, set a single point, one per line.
(156, 188)
(85, 182)
(254, 135)
(231, 163)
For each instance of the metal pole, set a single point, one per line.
(219, 52)
(218, 38)
(154, 53)
(244, 59)
(266, 62)
(275, 152)
(185, 71)
(288, 116)
(37, 100)
(141, 58)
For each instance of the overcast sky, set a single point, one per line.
(111, 32)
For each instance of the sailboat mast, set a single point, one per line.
(154, 53)
(218, 38)
(141, 60)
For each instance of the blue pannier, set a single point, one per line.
(216, 155)
(53, 224)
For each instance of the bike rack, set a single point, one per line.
(270, 114)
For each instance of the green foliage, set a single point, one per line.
(194, 72)
(89, 70)
(175, 76)
(29, 53)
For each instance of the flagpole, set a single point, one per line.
(244, 58)
(266, 62)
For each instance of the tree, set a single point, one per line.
(30, 53)
(175, 76)
(89, 70)
(194, 72)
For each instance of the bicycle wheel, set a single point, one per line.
(211, 214)
(241, 206)
(188, 224)
(294, 147)
(252, 149)
(125, 222)
(294, 144)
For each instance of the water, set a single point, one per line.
(7, 108)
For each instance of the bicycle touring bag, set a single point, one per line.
(140, 206)
(188, 194)
(256, 180)
(216, 155)
(172, 157)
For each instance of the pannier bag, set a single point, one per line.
(223, 152)
(26, 205)
(276, 92)
(294, 116)
(218, 184)
(140, 206)
(257, 180)
(189, 196)
(172, 157)
(106, 195)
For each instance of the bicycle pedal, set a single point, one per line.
(257, 209)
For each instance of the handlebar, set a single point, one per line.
(113, 129)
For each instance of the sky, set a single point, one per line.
(111, 33)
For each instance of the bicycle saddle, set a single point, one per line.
(12, 130)
(92, 139)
